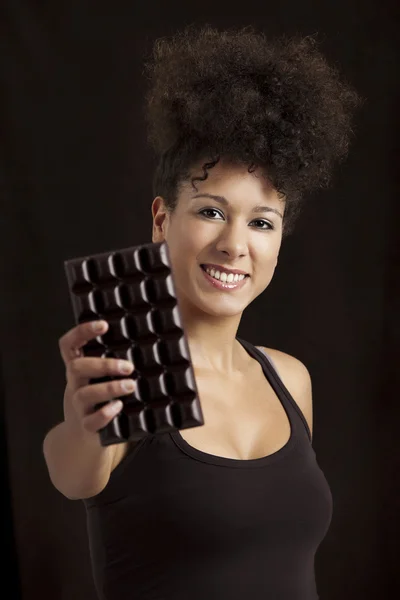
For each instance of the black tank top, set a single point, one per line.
(176, 523)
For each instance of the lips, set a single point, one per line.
(224, 286)
(224, 270)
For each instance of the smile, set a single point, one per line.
(222, 281)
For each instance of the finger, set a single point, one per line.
(79, 371)
(70, 343)
(99, 419)
(90, 396)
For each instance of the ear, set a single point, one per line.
(160, 218)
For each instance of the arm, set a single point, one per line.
(79, 467)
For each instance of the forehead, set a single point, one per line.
(233, 180)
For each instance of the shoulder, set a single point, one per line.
(296, 379)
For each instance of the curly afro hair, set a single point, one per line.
(270, 104)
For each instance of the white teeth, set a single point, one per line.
(221, 276)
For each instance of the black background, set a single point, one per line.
(76, 180)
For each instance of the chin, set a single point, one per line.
(224, 308)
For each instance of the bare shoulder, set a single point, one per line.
(297, 380)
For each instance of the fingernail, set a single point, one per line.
(128, 385)
(98, 325)
(125, 366)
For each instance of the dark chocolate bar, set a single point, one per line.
(133, 290)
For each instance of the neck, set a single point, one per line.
(212, 341)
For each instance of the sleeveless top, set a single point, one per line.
(176, 523)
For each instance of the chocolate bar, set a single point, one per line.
(133, 290)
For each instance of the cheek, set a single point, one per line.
(192, 237)
(265, 260)
(184, 246)
(266, 250)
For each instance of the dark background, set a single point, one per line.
(76, 180)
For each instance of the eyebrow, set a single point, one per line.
(224, 201)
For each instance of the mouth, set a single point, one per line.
(234, 283)
(209, 267)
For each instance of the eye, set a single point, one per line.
(209, 210)
(269, 226)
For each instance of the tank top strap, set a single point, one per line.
(277, 383)
(270, 360)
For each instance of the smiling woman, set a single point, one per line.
(243, 126)
(229, 238)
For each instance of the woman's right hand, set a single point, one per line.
(81, 397)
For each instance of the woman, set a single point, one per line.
(243, 127)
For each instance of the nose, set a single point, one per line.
(232, 241)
